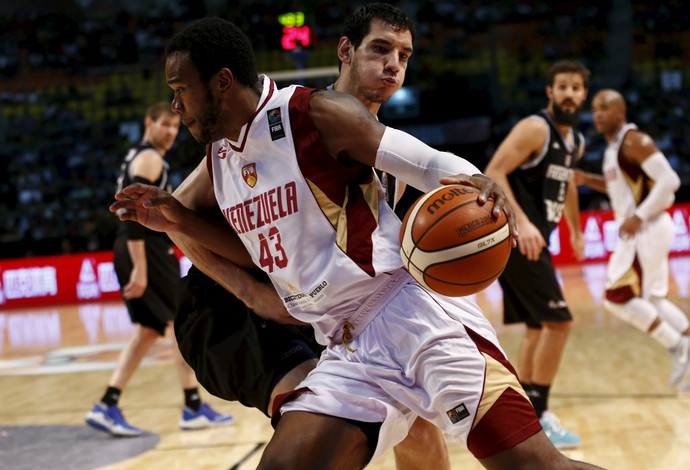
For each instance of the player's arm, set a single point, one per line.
(161, 211)
(146, 168)
(571, 212)
(524, 140)
(339, 116)
(640, 150)
(591, 180)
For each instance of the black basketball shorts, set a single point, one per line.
(531, 292)
(236, 355)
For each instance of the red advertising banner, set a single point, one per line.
(90, 277)
(51, 280)
(601, 235)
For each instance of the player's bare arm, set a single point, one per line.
(159, 210)
(523, 142)
(641, 150)
(147, 165)
(406, 157)
(638, 146)
(591, 180)
(571, 212)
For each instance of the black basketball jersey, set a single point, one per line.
(540, 185)
(125, 179)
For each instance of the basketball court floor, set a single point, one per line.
(612, 389)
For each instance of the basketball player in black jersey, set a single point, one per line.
(534, 165)
(149, 275)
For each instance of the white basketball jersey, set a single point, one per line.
(320, 228)
(627, 185)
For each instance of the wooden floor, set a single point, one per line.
(612, 387)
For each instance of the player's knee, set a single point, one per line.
(638, 312)
(560, 326)
(424, 443)
(425, 434)
(671, 313)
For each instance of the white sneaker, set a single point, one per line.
(680, 361)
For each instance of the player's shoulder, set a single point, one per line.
(331, 98)
(530, 130)
(533, 123)
(338, 107)
(638, 139)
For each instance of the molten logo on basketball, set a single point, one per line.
(452, 193)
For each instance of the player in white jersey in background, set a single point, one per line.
(291, 170)
(641, 185)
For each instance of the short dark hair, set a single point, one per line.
(567, 66)
(214, 43)
(358, 24)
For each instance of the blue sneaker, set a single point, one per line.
(110, 419)
(557, 434)
(204, 418)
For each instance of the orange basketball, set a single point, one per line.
(452, 245)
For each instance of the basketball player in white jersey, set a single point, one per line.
(291, 172)
(641, 185)
(267, 359)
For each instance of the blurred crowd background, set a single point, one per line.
(77, 75)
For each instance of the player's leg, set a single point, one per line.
(536, 452)
(637, 280)
(196, 414)
(671, 313)
(525, 362)
(533, 295)
(106, 415)
(311, 441)
(291, 380)
(422, 449)
(549, 351)
(140, 342)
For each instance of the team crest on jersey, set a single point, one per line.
(222, 152)
(249, 174)
(275, 123)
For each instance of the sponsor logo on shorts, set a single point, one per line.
(556, 304)
(458, 413)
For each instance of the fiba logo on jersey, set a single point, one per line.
(275, 123)
(87, 287)
(249, 174)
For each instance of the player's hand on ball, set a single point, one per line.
(489, 190)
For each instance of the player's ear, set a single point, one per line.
(225, 79)
(345, 50)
